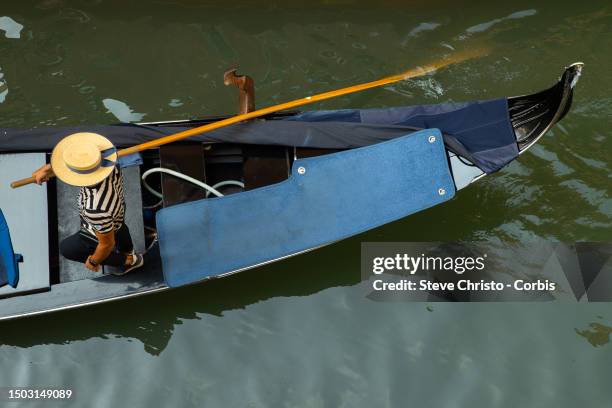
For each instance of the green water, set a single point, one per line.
(300, 333)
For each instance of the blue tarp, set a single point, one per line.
(9, 261)
(326, 198)
(482, 128)
(479, 131)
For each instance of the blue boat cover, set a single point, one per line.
(130, 160)
(480, 131)
(9, 261)
(325, 199)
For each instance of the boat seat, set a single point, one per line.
(69, 221)
(25, 214)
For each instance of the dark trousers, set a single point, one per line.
(78, 247)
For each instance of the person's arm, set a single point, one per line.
(43, 174)
(106, 243)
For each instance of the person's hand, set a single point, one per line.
(43, 174)
(90, 266)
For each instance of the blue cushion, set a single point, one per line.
(325, 199)
(9, 261)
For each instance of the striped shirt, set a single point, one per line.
(102, 206)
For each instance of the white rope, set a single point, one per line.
(182, 176)
(226, 183)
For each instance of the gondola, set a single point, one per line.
(255, 192)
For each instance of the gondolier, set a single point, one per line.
(88, 160)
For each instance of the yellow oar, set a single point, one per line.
(413, 73)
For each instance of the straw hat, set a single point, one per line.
(83, 159)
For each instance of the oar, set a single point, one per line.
(413, 73)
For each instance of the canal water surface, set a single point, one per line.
(301, 333)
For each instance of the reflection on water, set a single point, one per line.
(478, 28)
(300, 332)
(122, 111)
(11, 28)
(149, 321)
(422, 27)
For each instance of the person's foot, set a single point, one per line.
(137, 260)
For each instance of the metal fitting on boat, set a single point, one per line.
(432, 139)
(441, 191)
(301, 170)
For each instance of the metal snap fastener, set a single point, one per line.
(301, 170)
(441, 191)
(432, 139)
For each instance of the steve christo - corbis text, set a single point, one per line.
(410, 264)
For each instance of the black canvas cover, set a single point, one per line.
(479, 131)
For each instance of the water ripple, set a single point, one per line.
(478, 28)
